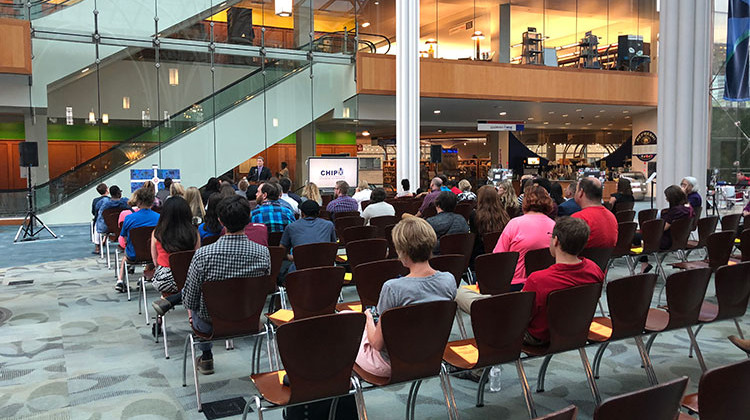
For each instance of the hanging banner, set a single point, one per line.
(486, 125)
(737, 80)
(644, 146)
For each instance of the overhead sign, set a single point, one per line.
(487, 125)
(644, 146)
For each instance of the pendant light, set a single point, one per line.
(283, 8)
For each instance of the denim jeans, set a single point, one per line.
(203, 327)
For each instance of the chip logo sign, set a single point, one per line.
(326, 171)
(337, 173)
(644, 146)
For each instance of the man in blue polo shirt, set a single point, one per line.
(144, 199)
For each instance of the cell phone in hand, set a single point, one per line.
(374, 312)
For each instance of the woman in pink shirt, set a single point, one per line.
(528, 232)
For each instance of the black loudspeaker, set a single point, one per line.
(652, 168)
(628, 48)
(436, 153)
(29, 153)
(240, 25)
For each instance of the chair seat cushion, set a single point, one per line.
(600, 329)
(271, 386)
(692, 244)
(462, 354)
(281, 317)
(636, 251)
(341, 259)
(472, 287)
(690, 402)
(370, 378)
(709, 312)
(347, 278)
(350, 306)
(689, 265)
(657, 320)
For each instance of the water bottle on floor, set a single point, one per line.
(495, 383)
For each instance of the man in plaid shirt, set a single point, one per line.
(270, 212)
(233, 255)
(343, 202)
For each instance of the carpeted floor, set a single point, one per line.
(75, 348)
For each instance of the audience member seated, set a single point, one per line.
(157, 203)
(115, 201)
(194, 200)
(212, 186)
(311, 192)
(164, 193)
(102, 190)
(624, 194)
(232, 256)
(508, 198)
(405, 189)
(242, 187)
(526, 180)
(269, 211)
(569, 238)
(488, 216)
(286, 185)
(362, 193)
(211, 226)
(556, 193)
(689, 185)
(176, 190)
(309, 229)
(446, 222)
(678, 209)
(544, 183)
(569, 206)
(435, 189)
(174, 232)
(602, 222)
(527, 232)
(453, 187)
(466, 194)
(342, 202)
(144, 198)
(414, 239)
(378, 206)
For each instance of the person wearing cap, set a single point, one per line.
(307, 230)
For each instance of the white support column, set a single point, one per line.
(407, 92)
(685, 39)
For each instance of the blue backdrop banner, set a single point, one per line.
(737, 80)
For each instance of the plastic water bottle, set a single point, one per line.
(495, 383)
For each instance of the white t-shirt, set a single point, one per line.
(377, 209)
(292, 202)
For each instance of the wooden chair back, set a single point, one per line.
(646, 215)
(415, 337)
(719, 246)
(450, 263)
(318, 354)
(625, 235)
(319, 254)
(680, 231)
(495, 272)
(209, 240)
(685, 293)
(274, 238)
(489, 240)
(364, 204)
(660, 402)
(235, 305)
(706, 226)
(499, 323)
(179, 262)
(429, 211)
(732, 290)
(600, 256)
(569, 313)
(278, 255)
(629, 299)
(723, 391)
(389, 238)
(745, 244)
(371, 276)
(401, 207)
(381, 222)
(140, 237)
(343, 222)
(356, 233)
(651, 232)
(458, 243)
(464, 209)
(110, 217)
(731, 222)
(625, 216)
(537, 259)
(696, 216)
(364, 251)
(624, 206)
(314, 291)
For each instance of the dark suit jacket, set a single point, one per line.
(568, 208)
(265, 174)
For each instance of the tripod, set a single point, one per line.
(28, 227)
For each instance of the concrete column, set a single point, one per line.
(551, 152)
(35, 127)
(498, 142)
(500, 32)
(303, 23)
(407, 92)
(305, 147)
(684, 75)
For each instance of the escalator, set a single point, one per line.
(209, 137)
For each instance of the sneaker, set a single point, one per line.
(648, 268)
(206, 367)
(161, 306)
(120, 287)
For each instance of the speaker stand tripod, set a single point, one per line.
(28, 227)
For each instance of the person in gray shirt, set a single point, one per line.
(446, 222)
(309, 229)
(414, 239)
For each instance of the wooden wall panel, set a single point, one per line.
(15, 53)
(10, 173)
(376, 74)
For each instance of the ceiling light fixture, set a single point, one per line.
(366, 24)
(437, 111)
(126, 102)
(105, 118)
(579, 110)
(92, 118)
(174, 77)
(85, 70)
(531, 118)
(283, 8)
(503, 113)
(565, 115)
(366, 133)
(601, 110)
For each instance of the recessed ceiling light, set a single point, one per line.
(85, 70)
(366, 24)
(440, 131)
(626, 112)
(567, 123)
(596, 116)
(601, 110)
(609, 125)
(531, 118)
(579, 110)
(546, 122)
(589, 124)
(464, 143)
(365, 133)
(551, 112)
(437, 111)
(609, 132)
(627, 117)
(565, 115)
(503, 113)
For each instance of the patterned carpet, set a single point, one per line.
(74, 348)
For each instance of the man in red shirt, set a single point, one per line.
(568, 239)
(602, 222)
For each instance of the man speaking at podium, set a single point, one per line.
(260, 172)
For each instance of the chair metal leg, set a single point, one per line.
(360, 399)
(650, 342)
(449, 388)
(598, 358)
(143, 299)
(127, 281)
(258, 408)
(631, 265)
(411, 399)
(282, 296)
(164, 336)
(543, 373)
(526, 391)
(184, 361)
(102, 239)
(461, 327)
(256, 357)
(601, 307)
(646, 360)
(229, 344)
(483, 379)
(697, 331)
(444, 387)
(590, 376)
(698, 353)
(195, 374)
(332, 410)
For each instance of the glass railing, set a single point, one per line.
(91, 172)
(33, 10)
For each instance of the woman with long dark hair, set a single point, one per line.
(624, 193)
(175, 232)
(489, 216)
(211, 225)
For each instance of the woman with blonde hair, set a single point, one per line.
(362, 193)
(311, 192)
(193, 197)
(176, 190)
(465, 186)
(508, 198)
